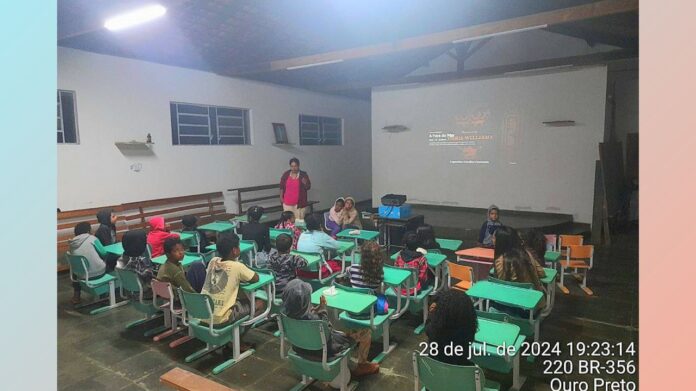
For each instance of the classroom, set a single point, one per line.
(395, 195)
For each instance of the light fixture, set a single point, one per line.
(536, 70)
(476, 38)
(135, 17)
(314, 64)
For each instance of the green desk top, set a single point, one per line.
(245, 219)
(188, 259)
(264, 279)
(363, 235)
(184, 236)
(300, 224)
(114, 248)
(218, 226)
(395, 276)
(517, 297)
(311, 258)
(346, 301)
(496, 333)
(550, 275)
(434, 259)
(274, 232)
(552, 256)
(344, 246)
(449, 244)
(243, 247)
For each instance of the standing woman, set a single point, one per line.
(293, 189)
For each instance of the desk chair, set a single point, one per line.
(95, 287)
(577, 257)
(433, 375)
(465, 275)
(419, 298)
(568, 240)
(130, 282)
(172, 314)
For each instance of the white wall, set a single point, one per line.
(121, 99)
(550, 170)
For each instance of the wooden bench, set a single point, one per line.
(267, 196)
(182, 380)
(135, 215)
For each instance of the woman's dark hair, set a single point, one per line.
(312, 222)
(516, 262)
(371, 262)
(226, 243)
(82, 228)
(254, 213)
(294, 160)
(170, 243)
(535, 241)
(411, 241)
(286, 216)
(453, 320)
(506, 239)
(283, 243)
(426, 235)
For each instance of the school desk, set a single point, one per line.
(549, 283)
(188, 259)
(449, 244)
(344, 247)
(479, 258)
(244, 247)
(245, 219)
(114, 248)
(267, 282)
(396, 277)
(354, 302)
(363, 235)
(552, 256)
(275, 232)
(218, 227)
(494, 333)
(436, 265)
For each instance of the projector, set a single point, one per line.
(393, 199)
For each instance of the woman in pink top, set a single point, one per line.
(293, 189)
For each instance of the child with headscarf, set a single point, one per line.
(489, 226)
(335, 220)
(350, 217)
(297, 298)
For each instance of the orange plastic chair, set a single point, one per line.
(465, 275)
(577, 258)
(568, 240)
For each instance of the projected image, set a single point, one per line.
(470, 141)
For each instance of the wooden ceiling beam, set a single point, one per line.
(549, 18)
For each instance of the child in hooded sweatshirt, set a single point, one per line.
(157, 235)
(287, 221)
(135, 257)
(410, 258)
(106, 232)
(258, 232)
(489, 226)
(335, 221)
(350, 217)
(189, 223)
(83, 244)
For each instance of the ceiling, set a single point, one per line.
(232, 38)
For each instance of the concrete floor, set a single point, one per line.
(95, 352)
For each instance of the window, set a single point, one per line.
(208, 125)
(315, 130)
(67, 118)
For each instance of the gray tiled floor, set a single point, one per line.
(96, 352)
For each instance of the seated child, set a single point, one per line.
(410, 258)
(135, 257)
(284, 264)
(314, 240)
(222, 280)
(369, 272)
(254, 230)
(335, 221)
(350, 217)
(297, 299)
(189, 223)
(452, 320)
(173, 272)
(106, 232)
(534, 242)
(489, 226)
(157, 235)
(287, 221)
(82, 244)
(426, 235)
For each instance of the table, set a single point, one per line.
(267, 282)
(479, 258)
(435, 263)
(552, 256)
(188, 259)
(245, 219)
(493, 333)
(353, 302)
(363, 235)
(449, 244)
(412, 222)
(218, 227)
(275, 232)
(243, 247)
(115, 249)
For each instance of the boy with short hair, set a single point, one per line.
(83, 244)
(172, 271)
(224, 275)
(284, 264)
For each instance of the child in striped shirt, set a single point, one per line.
(369, 273)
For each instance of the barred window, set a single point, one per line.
(67, 118)
(316, 130)
(194, 124)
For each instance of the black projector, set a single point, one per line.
(393, 199)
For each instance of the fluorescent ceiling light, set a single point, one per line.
(535, 70)
(476, 38)
(315, 64)
(136, 17)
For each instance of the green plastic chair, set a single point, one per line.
(316, 267)
(419, 298)
(312, 335)
(101, 250)
(95, 287)
(195, 241)
(200, 306)
(251, 255)
(433, 375)
(131, 284)
(380, 324)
